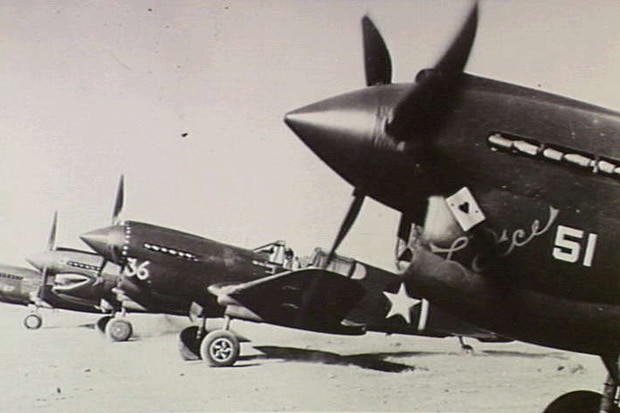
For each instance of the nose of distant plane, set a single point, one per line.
(340, 131)
(105, 241)
(41, 260)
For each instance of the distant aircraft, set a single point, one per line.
(76, 280)
(512, 195)
(67, 279)
(268, 284)
(24, 286)
(68, 291)
(47, 287)
(19, 285)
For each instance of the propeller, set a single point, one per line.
(378, 68)
(422, 106)
(435, 90)
(120, 199)
(51, 241)
(116, 212)
(349, 220)
(116, 220)
(377, 61)
(51, 246)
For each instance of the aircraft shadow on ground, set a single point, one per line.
(522, 354)
(366, 361)
(376, 361)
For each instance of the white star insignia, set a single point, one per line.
(401, 304)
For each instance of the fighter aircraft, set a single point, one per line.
(67, 279)
(331, 294)
(20, 286)
(44, 289)
(76, 280)
(511, 193)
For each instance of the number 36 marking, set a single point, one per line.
(568, 245)
(136, 269)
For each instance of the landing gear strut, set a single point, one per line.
(33, 321)
(218, 348)
(465, 348)
(583, 401)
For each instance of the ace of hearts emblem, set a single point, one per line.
(465, 209)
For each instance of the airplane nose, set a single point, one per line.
(339, 132)
(104, 241)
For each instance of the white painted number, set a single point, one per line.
(138, 270)
(569, 242)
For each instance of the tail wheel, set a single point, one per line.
(33, 322)
(118, 330)
(220, 348)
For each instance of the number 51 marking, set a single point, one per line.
(568, 245)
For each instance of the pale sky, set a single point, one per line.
(93, 89)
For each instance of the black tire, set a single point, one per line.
(580, 401)
(189, 345)
(220, 348)
(102, 323)
(118, 329)
(33, 322)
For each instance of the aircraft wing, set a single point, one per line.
(309, 299)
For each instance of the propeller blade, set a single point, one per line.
(428, 101)
(99, 278)
(455, 58)
(120, 199)
(349, 219)
(51, 242)
(377, 61)
(43, 286)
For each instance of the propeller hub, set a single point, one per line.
(340, 131)
(108, 242)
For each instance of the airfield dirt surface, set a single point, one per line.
(66, 366)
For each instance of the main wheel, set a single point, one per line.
(102, 323)
(33, 322)
(189, 345)
(580, 401)
(118, 329)
(220, 348)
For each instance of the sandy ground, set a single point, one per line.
(68, 367)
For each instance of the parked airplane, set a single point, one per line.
(67, 279)
(21, 286)
(45, 289)
(24, 286)
(76, 280)
(512, 193)
(267, 284)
